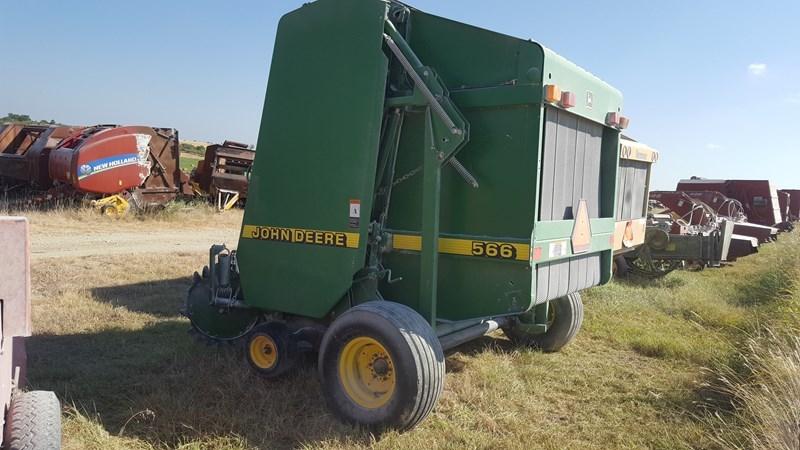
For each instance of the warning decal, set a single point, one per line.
(355, 213)
(301, 236)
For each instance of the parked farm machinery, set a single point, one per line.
(25, 152)
(793, 208)
(114, 167)
(224, 174)
(696, 239)
(701, 228)
(458, 182)
(759, 198)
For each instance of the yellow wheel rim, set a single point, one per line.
(263, 352)
(367, 372)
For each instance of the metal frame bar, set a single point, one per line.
(441, 118)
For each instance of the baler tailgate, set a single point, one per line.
(571, 164)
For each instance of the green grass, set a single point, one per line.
(645, 372)
(189, 161)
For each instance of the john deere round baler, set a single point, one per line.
(418, 184)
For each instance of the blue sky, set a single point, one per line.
(714, 85)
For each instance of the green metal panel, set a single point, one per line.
(333, 84)
(317, 151)
(594, 98)
(497, 82)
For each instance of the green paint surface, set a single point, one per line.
(332, 84)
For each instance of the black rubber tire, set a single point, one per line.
(415, 351)
(33, 422)
(621, 267)
(287, 353)
(567, 320)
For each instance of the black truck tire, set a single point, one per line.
(33, 422)
(564, 322)
(381, 366)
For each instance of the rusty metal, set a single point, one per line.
(701, 213)
(794, 204)
(714, 203)
(24, 152)
(137, 162)
(225, 171)
(759, 198)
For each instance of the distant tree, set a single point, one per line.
(25, 120)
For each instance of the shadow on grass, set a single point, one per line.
(668, 281)
(765, 288)
(162, 298)
(158, 385)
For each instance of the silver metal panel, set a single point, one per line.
(542, 282)
(557, 279)
(638, 207)
(570, 165)
(570, 173)
(566, 139)
(632, 188)
(548, 171)
(591, 182)
(621, 184)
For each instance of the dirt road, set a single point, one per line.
(127, 242)
(59, 238)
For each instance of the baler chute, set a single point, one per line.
(439, 182)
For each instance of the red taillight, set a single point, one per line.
(537, 253)
(567, 99)
(624, 122)
(612, 119)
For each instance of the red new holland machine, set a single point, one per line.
(114, 166)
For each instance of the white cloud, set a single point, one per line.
(713, 147)
(757, 69)
(793, 99)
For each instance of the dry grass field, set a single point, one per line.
(669, 364)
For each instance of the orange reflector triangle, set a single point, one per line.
(627, 239)
(582, 232)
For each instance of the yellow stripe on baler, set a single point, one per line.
(466, 247)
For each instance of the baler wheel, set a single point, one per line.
(381, 366)
(109, 211)
(34, 421)
(620, 268)
(564, 319)
(269, 350)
